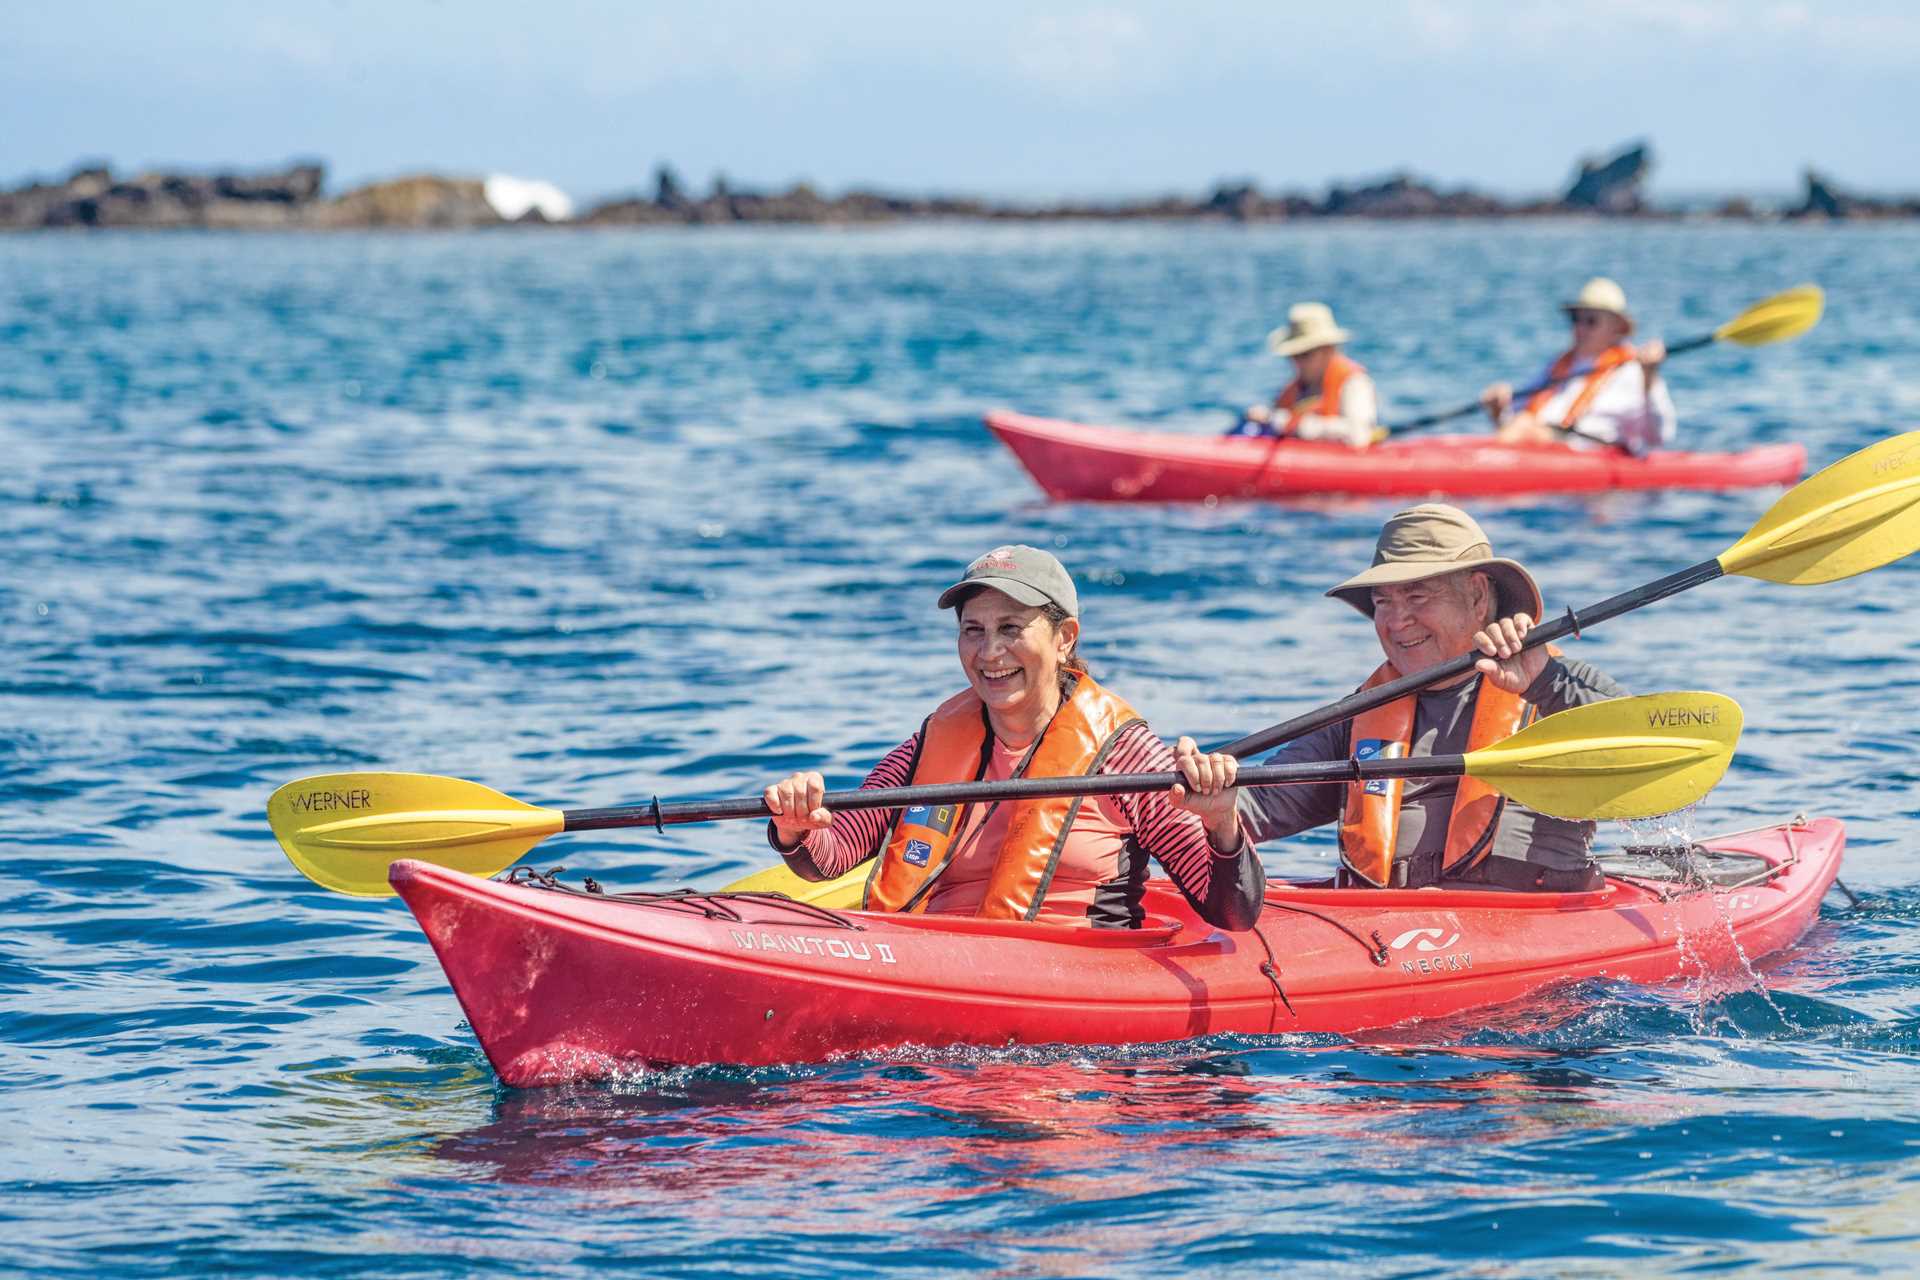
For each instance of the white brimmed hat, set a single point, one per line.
(1601, 294)
(1309, 325)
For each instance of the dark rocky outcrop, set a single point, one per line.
(420, 201)
(290, 198)
(91, 196)
(799, 203)
(1401, 195)
(1611, 185)
(1824, 199)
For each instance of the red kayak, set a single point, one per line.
(563, 985)
(1074, 462)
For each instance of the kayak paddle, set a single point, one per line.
(1630, 757)
(1784, 315)
(1858, 514)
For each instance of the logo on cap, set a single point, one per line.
(1000, 560)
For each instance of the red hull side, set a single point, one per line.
(1073, 462)
(561, 986)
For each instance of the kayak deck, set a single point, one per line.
(562, 985)
(1075, 462)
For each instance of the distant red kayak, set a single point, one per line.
(1075, 462)
(563, 985)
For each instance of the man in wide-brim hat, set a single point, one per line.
(1601, 392)
(1330, 398)
(1435, 591)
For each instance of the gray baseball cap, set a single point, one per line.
(1027, 574)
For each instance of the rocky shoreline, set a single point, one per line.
(293, 199)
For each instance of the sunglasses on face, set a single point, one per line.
(1588, 318)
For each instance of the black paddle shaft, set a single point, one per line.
(1435, 419)
(1569, 624)
(953, 793)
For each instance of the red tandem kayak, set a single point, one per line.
(1074, 462)
(564, 985)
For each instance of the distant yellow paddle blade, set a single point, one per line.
(1626, 758)
(842, 894)
(342, 830)
(1858, 514)
(1784, 315)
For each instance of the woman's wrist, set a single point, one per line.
(1230, 843)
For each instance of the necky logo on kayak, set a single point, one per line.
(328, 801)
(799, 944)
(1674, 717)
(1423, 940)
(1435, 942)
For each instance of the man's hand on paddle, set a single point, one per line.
(1209, 791)
(1505, 663)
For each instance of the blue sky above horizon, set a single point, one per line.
(1013, 100)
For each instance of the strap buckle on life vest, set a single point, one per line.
(1417, 872)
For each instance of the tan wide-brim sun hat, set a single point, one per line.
(1431, 540)
(1601, 294)
(1309, 325)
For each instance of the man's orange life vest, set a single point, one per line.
(1603, 366)
(1370, 818)
(955, 743)
(1298, 404)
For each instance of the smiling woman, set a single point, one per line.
(1030, 709)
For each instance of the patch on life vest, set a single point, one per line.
(918, 851)
(1372, 749)
(934, 817)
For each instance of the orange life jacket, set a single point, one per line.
(955, 743)
(1370, 818)
(1603, 366)
(1298, 404)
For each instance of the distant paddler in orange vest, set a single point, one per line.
(1601, 392)
(1435, 591)
(1330, 398)
(1030, 709)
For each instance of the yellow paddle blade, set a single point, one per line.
(842, 894)
(1858, 514)
(343, 829)
(1784, 315)
(1627, 758)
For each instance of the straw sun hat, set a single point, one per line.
(1309, 325)
(1601, 294)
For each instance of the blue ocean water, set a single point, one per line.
(589, 517)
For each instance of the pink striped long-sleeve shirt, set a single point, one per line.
(1225, 889)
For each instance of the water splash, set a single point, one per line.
(1712, 951)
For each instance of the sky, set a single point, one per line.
(1018, 99)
